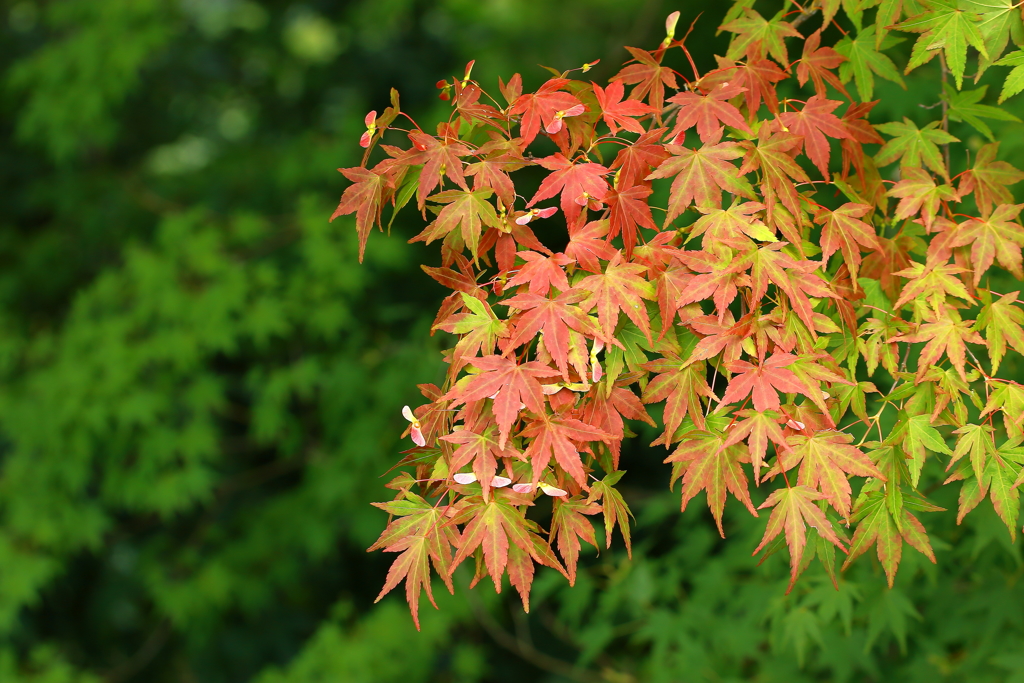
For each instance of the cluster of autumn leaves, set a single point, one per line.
(711, 270)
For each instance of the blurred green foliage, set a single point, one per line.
(199, 387)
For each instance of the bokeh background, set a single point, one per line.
(200, 387)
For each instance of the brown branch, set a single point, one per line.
(142, 657)
(524, 649)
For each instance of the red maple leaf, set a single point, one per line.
(635, 161)
(440, 157)
(619, 288)
(542, 272)
(773, 156)
(817, 64)
(816, 121)
(589, 243)
(650, 76)
(758, 77)
(605, 411)
(843, 230)
(764, 381)
(707, 112)
(825, 459)
(541, 108)
(568, 526)
(758, 429)
(513, 383)
(718, 279)
(481, 449)
(628, 209)
(556, 436)
(701, 175)
(553, 318)
(618, 113)
(681, 384)
(578, 183)
(365, 199)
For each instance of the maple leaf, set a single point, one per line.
(764, 381)
(718, 278)
(755, 36)
(440, 158)
(635, 161)
(975, 440)
(649, 75)
(480, 448)
(578, 183)
(794, 510)
(773, 156)
(492, 524)
(614, 507)
(588, 245)
(987, 179)
(513, 383)
(707, 112)
(795, 278)
(670, 284)
(998, 236)
(619, 288)
(365, 199)
(864, 62)
(541, 108)
(568, 526)
(606, 410)
(757, 428)
(617, 113)
(817, 64)
(714, 467)
(814, 122)
(552, 317)
(757, 77)
(468, 209)
(420, 535)
(731, 226)
(918, 193)
(681, 384)
(554, 436)
(541, 272)
(912, 146)
(1002, 321)
(478, 327)
(965, 106)
(944, 25)
(627, 210)
(877, 527)
(843, 230)
(825, 459)
(932, 280)
(701, 175)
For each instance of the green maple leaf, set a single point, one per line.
(864, 60)
(1001, 320)
(877, 526)
(1015, 79)
(964, 106)
(919, 437)
(975, 440)
(912, 146)
(944, 25)
(614, 507)
(1003, 477)
(478, 327)
(713, 467)
(1008, 397)
(998, 21)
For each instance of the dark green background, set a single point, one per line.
(200, 387)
